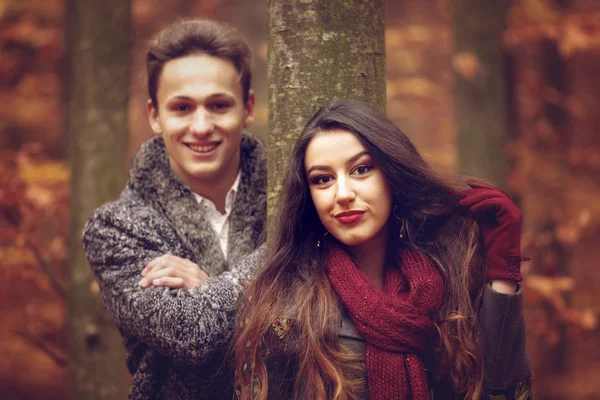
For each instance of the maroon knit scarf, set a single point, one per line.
(396, 321)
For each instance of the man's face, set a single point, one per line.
(201, 114)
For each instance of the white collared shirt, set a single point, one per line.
(220, 222)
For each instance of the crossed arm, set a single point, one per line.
(172, 271)
(188, 325)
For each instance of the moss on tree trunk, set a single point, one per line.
(319, 50)
(98, 37)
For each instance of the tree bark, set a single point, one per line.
(481, 100)
(319, 50)
(98, 37)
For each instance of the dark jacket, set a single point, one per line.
(507, 367)
(175, 338)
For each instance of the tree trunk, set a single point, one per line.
(319, 50)
(481, 99)
(98, 36)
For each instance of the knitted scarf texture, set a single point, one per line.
(396, 322)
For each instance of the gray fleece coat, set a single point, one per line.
(176, 338)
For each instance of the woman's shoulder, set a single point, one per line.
(278, 358)
(280, 328)
(278, 339)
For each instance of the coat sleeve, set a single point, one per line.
(507, 366)
(188, 325)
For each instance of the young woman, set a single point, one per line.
(382, 280)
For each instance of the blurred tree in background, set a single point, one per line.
(34, 198)
(555, 46)
(481, 99)
(551, 53)
(97, 95)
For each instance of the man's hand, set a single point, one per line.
(172, 271)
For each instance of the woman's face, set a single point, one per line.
(350, 193)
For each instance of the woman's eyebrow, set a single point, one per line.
(326, 167)
(357, 156)
(318, 167)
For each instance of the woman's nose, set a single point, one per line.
(344, 191)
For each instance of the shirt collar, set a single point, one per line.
(229, 199)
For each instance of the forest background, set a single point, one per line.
(551, 53)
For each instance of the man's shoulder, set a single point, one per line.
(127, 205)
(129, 213)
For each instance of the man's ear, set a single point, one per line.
(249, 109)
(153, 117)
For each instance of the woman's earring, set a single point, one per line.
(394, 212)
(319, 241)
(401, 236)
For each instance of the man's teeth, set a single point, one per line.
(203, 149)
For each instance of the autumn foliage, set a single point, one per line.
(34, 211)
(554, 152)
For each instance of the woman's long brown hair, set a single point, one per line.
(293, 284)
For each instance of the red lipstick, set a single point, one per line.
(348, 217)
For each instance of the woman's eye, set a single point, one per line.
(362, 169)
(322, 180)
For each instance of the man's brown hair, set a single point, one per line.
(201, 36)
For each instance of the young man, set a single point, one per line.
(173, 253)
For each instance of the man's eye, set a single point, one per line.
(181, 108)
(321, 179)
(362, 169)
(221, 106)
